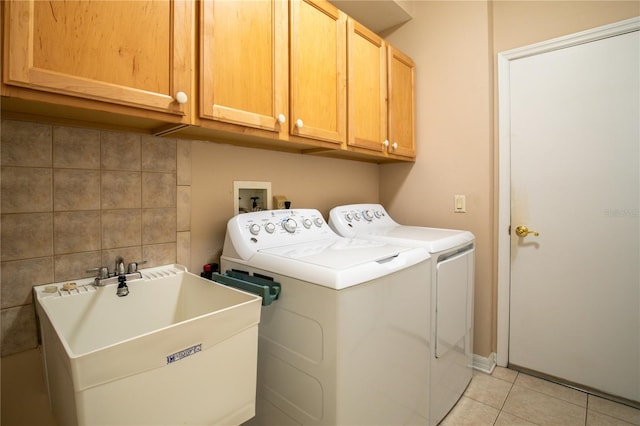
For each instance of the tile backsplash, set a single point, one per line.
(74, 198)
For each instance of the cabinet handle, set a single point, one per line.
(299, 123)
(385, 143)
(181, 98)
(281, 118)
(394, 146)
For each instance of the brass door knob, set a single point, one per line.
(523, 231)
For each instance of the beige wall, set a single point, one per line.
(454, 45)
(309, 182)
(520, 23)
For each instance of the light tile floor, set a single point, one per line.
(507, 397)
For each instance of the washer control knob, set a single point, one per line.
(319, 222)
(378, 214)
(349, 217)
(307, 223)
(270, 227)
(289, 225)
(368, 215)
(356, 216)
(254, 229)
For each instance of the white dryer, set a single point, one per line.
(346, 343)
(451, 293)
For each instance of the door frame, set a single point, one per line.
(504, 159)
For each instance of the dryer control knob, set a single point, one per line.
(270, 227)
(254, 229)
(307, 223)
(349, 217)
(378, 214)
(319, 222)
(356, 216)
(290, 225)
(368, 215)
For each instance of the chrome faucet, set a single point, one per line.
(122, 290)
(120, 275)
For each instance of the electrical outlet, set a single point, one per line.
(278, 201)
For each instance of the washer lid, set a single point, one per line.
(337, 264)
(338, 254)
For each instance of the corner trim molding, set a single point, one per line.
(484, 364)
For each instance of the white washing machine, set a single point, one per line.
(347, 340)
(452, 278)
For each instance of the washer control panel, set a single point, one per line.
(275, 228)
(347, 220)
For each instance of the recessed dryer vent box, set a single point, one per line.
(251, 196)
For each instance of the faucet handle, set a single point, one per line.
(119, 266)
(103, 272)
(133, 266)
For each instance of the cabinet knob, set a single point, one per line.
(282, 119)
(181, 98)
(394, 146)
(385, 143)
(299, 123)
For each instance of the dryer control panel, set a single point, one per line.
(350, 219)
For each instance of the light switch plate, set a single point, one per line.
(459, 204)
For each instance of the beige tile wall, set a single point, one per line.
(73, 199)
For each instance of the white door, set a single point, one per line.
(575, 161)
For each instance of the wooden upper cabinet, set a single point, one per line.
(367, 88)
(401, 77)
(318, 71)
(271, 73)
(244, 63)
(133, 53)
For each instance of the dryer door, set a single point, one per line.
(452, 292)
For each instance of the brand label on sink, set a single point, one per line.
(184, 353)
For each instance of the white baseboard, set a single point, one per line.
(484, 364)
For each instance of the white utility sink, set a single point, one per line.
(179, 349)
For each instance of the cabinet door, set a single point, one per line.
(134, 53)
(367, 88)
(318, 71)
(244, 63)
(401, 70)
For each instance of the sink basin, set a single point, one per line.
(179, 349)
